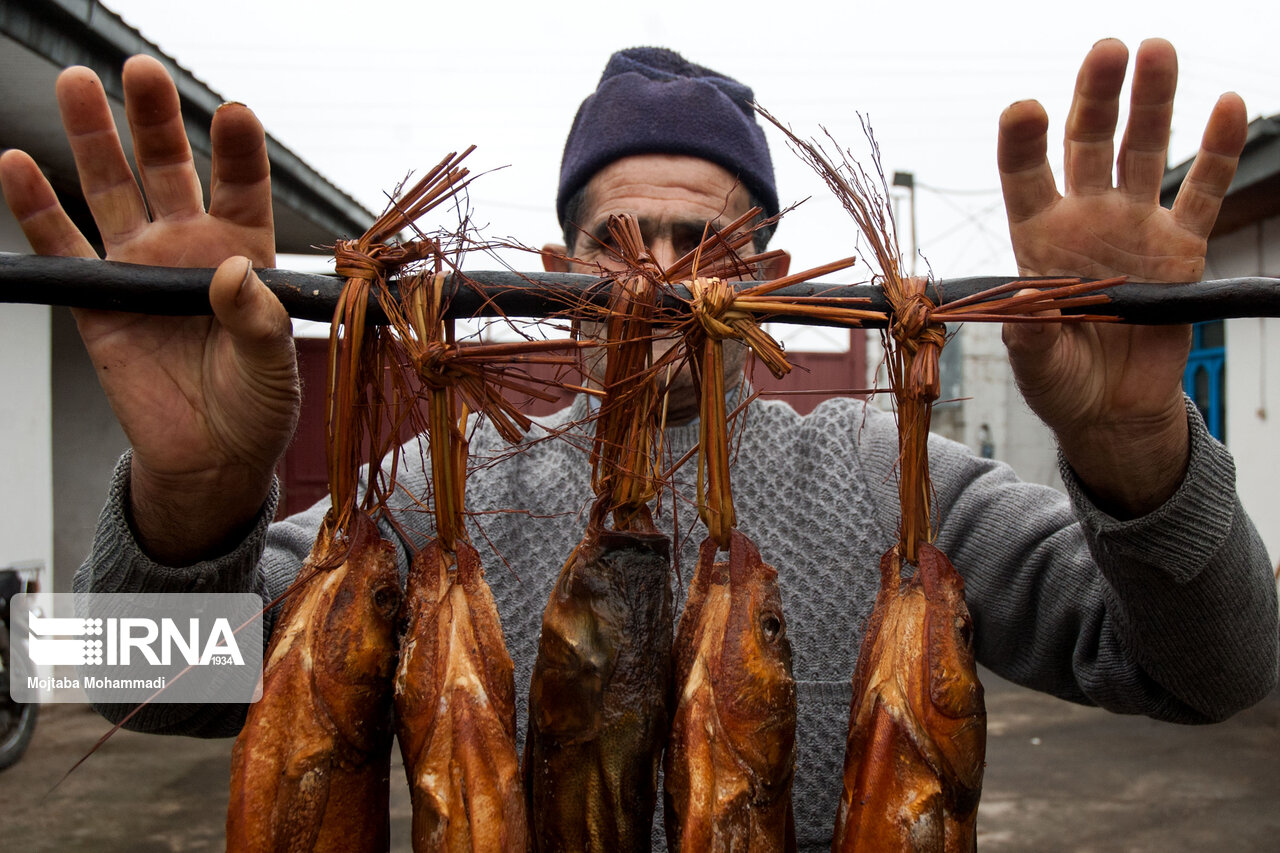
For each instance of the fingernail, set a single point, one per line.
(244, 282)
(1108, 38)
(226, 104)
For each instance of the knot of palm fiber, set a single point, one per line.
(712, 307)
(433, 363)
(922, 340)
(353, 261)
(369, 262)
(913, 325)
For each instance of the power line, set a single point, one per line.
(945, 192)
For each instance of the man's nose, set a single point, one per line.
(663, 250)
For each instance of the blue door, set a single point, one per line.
(1206, 376)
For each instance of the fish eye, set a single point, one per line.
(386, 599)
(965, 628)
(771, 625)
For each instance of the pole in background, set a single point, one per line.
(908, 180)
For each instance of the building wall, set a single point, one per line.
(1253, 378)
(26, 505)
(986, 397)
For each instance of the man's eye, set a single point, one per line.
(594, 248)
(685, 246)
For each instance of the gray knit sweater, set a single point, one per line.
(1173, 615)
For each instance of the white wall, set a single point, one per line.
(991, 398)
(26, 447)
(26, 438)
(1253, 379)
(1018, 436)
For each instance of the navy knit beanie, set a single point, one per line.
(651, 100)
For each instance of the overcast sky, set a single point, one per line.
(366, 92)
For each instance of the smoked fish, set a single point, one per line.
(731, 756)
(311, 768)
(456, 709)
(598, 700)
(917, 731)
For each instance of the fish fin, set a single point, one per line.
(299, 812)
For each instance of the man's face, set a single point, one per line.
(673, 197)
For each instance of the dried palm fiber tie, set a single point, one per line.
(730, 757)
(913, 370)
(311, 767)
(717, 317)
(598, 699)
(455, 683)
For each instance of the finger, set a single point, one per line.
(241, 186)
(1032, 352)
(1206, 183)
(36, 208)
(105, 177)
(1021, 155)
(1029, 342)
(1033, 330)
(1144, 149)
(250, 312)
(1091, 123)
(160, 144)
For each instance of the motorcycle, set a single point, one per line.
(17, 719)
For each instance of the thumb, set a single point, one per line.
(1033, 355)
(249, 311)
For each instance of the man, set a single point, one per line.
(1149, 592)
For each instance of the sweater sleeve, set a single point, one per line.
(265, 562)
(1172, 615)
(117, 564)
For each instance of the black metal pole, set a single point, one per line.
(81, 283)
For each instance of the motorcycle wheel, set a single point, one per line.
(17, 719)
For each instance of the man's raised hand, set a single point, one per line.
(208, 403)
(1112, 394)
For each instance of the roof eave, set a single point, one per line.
(83, 32)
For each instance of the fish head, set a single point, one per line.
(362, 619)
(948, 627)
(755, 690)
(957, 708)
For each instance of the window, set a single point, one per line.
(1205, 379)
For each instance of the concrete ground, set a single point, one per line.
(1059, 777)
